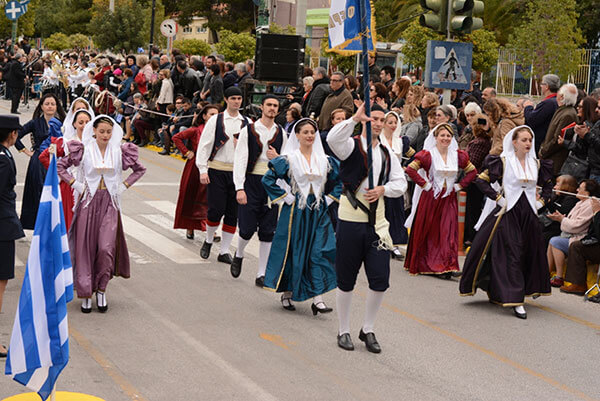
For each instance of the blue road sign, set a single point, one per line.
(13, 10)
(448, 65)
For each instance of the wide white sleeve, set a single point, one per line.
(396, 185)
(339, 139)
(240, 159)
(207, 139)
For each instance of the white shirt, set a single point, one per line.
(79, 77)
(207, 139)
(50, 77)
(240, 159)
(341, 143)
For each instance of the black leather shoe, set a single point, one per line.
(3, 354)
(457, 273)
(205, 250)
(260, 281)
(345, 342)
(164, 152)
(287, 303)
(316, 309)
(225, 258)
(520, 315)
(370, 341)
(444, 276)
(236, 266)
(189, 236)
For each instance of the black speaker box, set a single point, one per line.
(279, 58)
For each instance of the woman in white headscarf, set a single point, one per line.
(302, 259)
(508, 256)
(96, 239)
(433, 242)
(394, 207)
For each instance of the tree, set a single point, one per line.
(344, 64)
(282, 30)
(25, 25)
(57, 41)
(48, 17)
(121, 30)
(415, 46)
(549, 39)
(194, 47)
(236, 47)
(485, 49)
(234, 15)
(77, 19)
(79, 41)
(589, 22)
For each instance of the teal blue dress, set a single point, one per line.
(302, 258)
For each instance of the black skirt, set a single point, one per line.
(7, 260)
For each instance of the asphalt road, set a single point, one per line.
(183, 329)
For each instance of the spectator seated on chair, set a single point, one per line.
(561, 203)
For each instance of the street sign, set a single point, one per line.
(168, 28)
(448, 65)
(13, 10)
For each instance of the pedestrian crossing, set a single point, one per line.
(152, 239)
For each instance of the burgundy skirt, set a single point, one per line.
(192, 204)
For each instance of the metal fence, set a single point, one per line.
(514, 79)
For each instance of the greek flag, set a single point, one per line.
(344, 27)
(39, 346)
(24, 4)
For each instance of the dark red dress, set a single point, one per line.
(433, 242)
(192, 204)
(66, 192)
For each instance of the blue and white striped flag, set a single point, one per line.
(24, 4)
(344, 27)
(39, 346)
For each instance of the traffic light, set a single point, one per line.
(461, 16)
(436, 19)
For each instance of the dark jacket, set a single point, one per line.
(317, 96)
(16, 75)
(539, 118)
(591, 144)
(216, 89)
(229, 79)
(10, 225)
(550, 149)
(187, 84)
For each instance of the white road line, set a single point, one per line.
(166, 207)
(159, 243)
(164, 222)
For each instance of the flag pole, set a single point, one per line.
(364, 37)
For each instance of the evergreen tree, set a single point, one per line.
(121, 30)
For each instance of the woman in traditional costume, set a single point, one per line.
(47, 108)
(394, 207)
(192, 204)
(508, 257)
(302, 259)
(433, 243)
(96, 239)
(73, 132)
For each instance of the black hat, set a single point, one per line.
(376, 107)
(232, 91)
(9, 122)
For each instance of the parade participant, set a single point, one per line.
(214, 159)
(362, 231)
(47, 108)
(10, 226)
(433, 242)
(394, 207)
(508, 257)
(301, 262)
(96, 239)
(258, 143)
(192, 204)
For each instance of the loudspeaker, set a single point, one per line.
(279, 58)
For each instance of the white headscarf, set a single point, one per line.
(396, 145)
(439, 172)
(305, 177)
(515, 179)
(109, 167)
(69, 130)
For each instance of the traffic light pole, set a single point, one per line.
(448, 92)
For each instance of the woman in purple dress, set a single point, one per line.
(96, 237)
(508, 256)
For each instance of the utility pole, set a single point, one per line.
(111, 6)
(151, 26)
(301, 17)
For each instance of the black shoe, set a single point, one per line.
(164, 152)
(205, 250)
(520, 315)
(85, 309)
(345, 342)
(101, 309)
(217, 239)
(189, 236)
(370, 341)
(316, 309)
(287, 303)
(136, 141)
(3, 354)
(236, 266)
(457, 273)
(14, 112)
(225, 258)
(444, 276)
(260, 281)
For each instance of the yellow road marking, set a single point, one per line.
(178, 171)
(60, 396)
(566, 316)
(491, 353)
(109, 368)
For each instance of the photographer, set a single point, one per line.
(15, 80)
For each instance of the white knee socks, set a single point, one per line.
(374, 300)
(226, 239)
(210, 233)
(343, 301)
(263, 256)
(241, 247)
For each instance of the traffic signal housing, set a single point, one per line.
(461, 16)
(437, 18)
